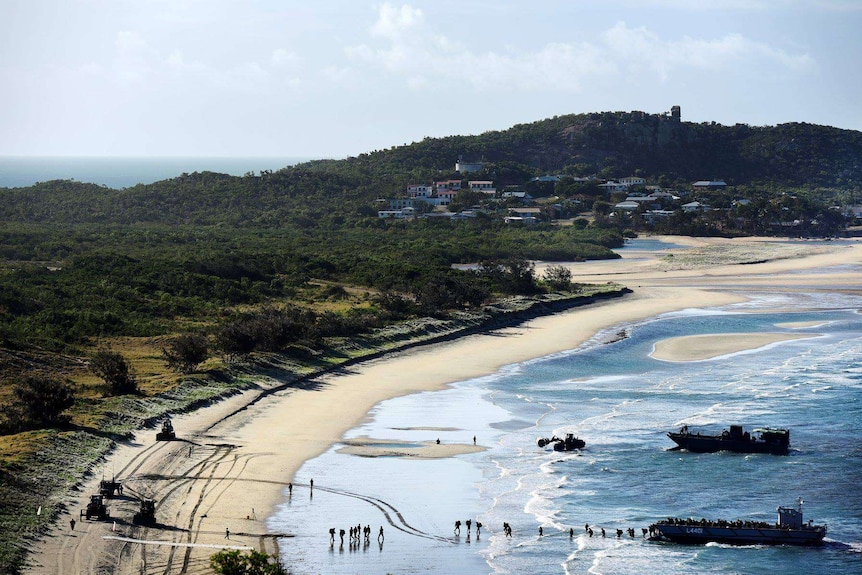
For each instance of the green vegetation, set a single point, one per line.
(38, 403)
(114, 370)
(253, 563)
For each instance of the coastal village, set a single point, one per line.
(630, 201)
(515, 205)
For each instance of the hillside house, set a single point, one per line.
(695, 207)
(612, 186)
(465, 167)
(653, 216)
(401, 214)
(420, 190)
(483, 186)
(517, 194)
(523, 215)
(627, 206)
(446, 196)
(401, 203)
(707, 185)
(451, 185)
(632, 181)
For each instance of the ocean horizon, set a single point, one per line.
(118, 172)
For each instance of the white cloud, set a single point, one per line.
(640, 49)
(395, 22)
(406, 48)
(283, 58)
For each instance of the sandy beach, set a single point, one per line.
(221, 479)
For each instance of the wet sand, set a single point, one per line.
(228, 472)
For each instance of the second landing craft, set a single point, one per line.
(765, 440)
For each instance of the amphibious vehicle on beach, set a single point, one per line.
(570, 442)
(765, 440)
(167, 432)
(790, 530)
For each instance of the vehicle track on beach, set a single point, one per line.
(388, 510)
(392, 515)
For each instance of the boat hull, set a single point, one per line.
(695, 534)
(713, 444)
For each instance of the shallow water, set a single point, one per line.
(621, 402)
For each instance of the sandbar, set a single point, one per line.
(701, 347)
(799, 324)
(366, 447)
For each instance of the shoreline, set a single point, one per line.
(237, 470)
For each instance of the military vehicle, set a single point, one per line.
(146, 514)
(110, 488)
(95, 508)
(167, 432)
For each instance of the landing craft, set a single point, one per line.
(789, 530)
(765, 440)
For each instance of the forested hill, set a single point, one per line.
(660, 148)
(656, 146)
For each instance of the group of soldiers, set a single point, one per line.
(469, 524)
(589, 531)
(357, 534)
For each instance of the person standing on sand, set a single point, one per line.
(289, 489)
(380, 535)
(227, 533)
(72, 523)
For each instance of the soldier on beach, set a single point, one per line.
(72, 523)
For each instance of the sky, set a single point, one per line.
(337, 78)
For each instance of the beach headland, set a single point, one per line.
(230, 467)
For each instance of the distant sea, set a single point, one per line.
(124, 172)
